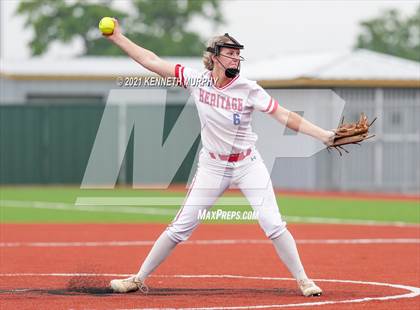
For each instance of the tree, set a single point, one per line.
(392, 34)
(159, 25)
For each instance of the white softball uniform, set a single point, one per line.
(228, 157)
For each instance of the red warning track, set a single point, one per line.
(390, 263)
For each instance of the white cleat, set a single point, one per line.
(130, 284)
(309, 288)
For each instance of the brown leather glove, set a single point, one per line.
(351, 133)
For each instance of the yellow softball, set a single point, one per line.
(106, 25)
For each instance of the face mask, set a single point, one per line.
(229, 72)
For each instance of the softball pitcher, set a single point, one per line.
(228, 157)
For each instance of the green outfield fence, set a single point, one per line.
(51, 143)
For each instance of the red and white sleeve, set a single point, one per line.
(179, 74)
(272, 106)
(262, 101)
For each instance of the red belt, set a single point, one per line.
(232, 157)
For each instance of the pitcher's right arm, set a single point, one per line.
(144, 57)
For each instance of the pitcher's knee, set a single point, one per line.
(179, 235)
(274, 231)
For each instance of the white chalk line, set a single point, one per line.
(327, 220)
(412, 290)
(205, 242)
(170, 212)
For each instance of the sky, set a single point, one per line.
(265, 27)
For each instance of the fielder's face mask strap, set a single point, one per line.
(229, 72)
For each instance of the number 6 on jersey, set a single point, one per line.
(236, 119)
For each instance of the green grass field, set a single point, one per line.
(56, 204)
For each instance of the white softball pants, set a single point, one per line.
(212, 178)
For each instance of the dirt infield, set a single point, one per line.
(56, 266)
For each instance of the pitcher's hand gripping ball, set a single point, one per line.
(351, 133)
(106, 25)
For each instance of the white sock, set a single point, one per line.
(286, 249)
(159, 252)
